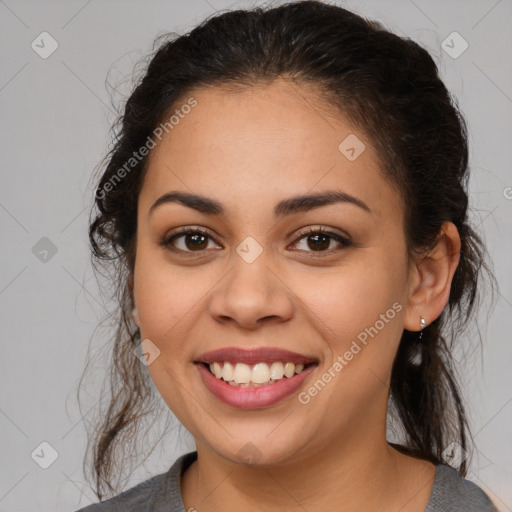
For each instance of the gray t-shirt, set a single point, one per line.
(162, 493)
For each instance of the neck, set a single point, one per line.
(343, 473)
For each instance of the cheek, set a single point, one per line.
(370, 318)
(165, 295)
(345, 301)
(167, 298)
(357, 311)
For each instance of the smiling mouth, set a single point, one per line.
(256, 375)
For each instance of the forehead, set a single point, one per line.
(262, 142)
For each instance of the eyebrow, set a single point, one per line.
(296, 204)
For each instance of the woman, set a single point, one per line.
(286, 210)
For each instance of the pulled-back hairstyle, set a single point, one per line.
(390, 90)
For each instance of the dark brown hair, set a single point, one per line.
(389, 88)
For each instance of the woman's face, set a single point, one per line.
(257, 280)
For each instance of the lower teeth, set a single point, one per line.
(250, 384)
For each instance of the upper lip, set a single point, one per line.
(254, 355)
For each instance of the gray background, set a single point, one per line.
(55, 115)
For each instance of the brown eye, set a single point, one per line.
(194, 240)
(319, 240)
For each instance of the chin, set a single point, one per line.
(258, 451)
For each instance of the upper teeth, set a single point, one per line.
(260, 373)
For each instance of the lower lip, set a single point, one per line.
(252, 397)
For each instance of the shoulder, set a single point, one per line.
(159, 493)
(452, 493)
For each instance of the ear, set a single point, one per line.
(431, 279)
(135, 313)
(136, 317)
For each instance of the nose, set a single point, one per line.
(251, 294)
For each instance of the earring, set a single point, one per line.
(422, 324)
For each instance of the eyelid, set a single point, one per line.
(321, 229)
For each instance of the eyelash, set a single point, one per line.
(345, 242)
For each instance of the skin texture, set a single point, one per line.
(249, 150)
